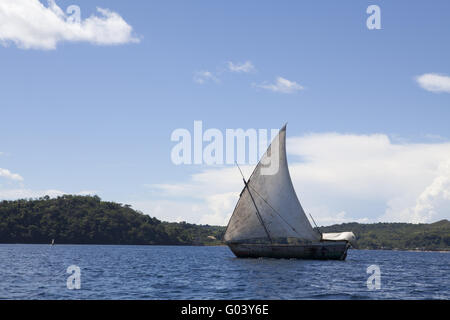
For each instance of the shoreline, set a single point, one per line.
(194, 245)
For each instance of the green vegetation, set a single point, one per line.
(88, 220)
(398, 236)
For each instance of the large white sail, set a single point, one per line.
(268, 206)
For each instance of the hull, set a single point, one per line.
(332, 250)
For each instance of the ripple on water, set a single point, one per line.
(171, 272)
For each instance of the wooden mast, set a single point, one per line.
(256, 207)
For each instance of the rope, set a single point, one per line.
(274, 210)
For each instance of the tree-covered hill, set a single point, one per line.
(402, 236)
(88, 220)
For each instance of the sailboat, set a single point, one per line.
(269, 221)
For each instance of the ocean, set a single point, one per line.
(185, 272)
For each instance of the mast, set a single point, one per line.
(256, 207)
(279, 213)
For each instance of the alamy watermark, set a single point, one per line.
(74, 280)
(374, 20)
(213, 147)
(74, 12)
(374, 280)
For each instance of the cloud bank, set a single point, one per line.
(24, 193)
(20, 192)
(338, 178)
(31, 25)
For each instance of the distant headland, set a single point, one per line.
(73, 219)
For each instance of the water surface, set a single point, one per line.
(175, 272)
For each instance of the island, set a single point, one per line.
(74, 219)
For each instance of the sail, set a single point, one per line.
(268, 205)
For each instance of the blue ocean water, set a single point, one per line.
(175, 272)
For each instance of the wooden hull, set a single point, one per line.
(327, 250)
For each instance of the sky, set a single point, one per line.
(88, 103)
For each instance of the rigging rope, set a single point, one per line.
(274, 210)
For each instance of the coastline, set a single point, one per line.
(204, 245)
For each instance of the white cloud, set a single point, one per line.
(14, 194)
(31, 25)
(432, 204)
(9, 175)
(87, 193)
(338, 178)
(176, 211)
(323, 215)
(434, 82)
(200, 200)
(23, 193)
(202, 77)
(281, 85)
(432, 136)
(245, 67)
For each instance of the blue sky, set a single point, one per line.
(98, 118)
